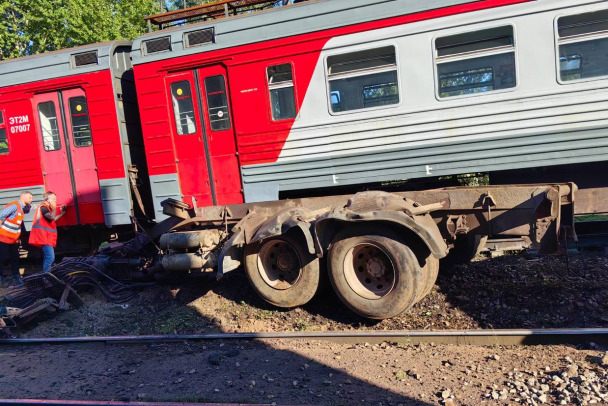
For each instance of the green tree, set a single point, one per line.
(28, 27)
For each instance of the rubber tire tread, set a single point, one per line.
(428, 273)
(407, 275)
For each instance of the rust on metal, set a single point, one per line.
(591, 201)
(531, 213)
(213, 11)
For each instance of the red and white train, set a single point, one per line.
(316, 98)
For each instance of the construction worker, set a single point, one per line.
(10, 231)
(44, 229)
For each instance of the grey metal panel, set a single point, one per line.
(164, 187)
(532, 150)
(261, 191)
(9, 195)
(286, 21)
(55, 64)
(116, 201)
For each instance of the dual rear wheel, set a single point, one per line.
(372, 271)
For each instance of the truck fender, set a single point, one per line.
(423, 226)
(284, 221)
(259, 226)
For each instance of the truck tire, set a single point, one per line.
(282, 271)
(429, 273)
(373, 272)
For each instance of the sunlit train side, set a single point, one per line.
(336, 93)
(65, 127)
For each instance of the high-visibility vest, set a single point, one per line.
(43, 232)
(10, 230)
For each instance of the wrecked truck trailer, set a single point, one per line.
(381, 250)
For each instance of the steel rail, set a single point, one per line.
(59, 402)
(455, 337)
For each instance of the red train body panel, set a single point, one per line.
(64, 132)
(207, 164)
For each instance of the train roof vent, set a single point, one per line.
(153, 46)
(199, 37)
(85, 59)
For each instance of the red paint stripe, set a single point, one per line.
(259, 139)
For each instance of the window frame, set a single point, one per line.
(384, 69)
(176, 123)
(4, 127)
(208, 107)
(86, 102)
(269, 88)
(474, 55)
(573, 40)
(41, 133)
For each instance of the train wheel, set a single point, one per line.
(282, 272)
(428, 273)
(373, 273)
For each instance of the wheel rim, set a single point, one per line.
(279, 264)
(368, 271)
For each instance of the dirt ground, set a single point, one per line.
(292, 373)
(507, 292)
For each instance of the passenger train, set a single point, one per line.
(307, 99)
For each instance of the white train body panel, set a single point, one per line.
(538, 122)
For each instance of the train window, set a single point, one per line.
(81, 128)
(49, 126)
(475, 62)
(217, 103)
(583, 46)
(363, 79)
(282, 96)
(3, 140)
(183, 108)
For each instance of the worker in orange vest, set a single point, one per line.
(10, 231)
(44, 229)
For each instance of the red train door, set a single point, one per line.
(205, 148)
(220, 134)
(67, 156)
(189, 141)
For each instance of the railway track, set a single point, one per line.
(567, 336)
(59, 402)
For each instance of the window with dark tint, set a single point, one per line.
(183, 108)
(48, 126)
(217, 103)
(3, 140)
(476, 62)
(81, 128)
(583, 45)
(363, 79)
(282, 96)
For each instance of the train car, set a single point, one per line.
(69, 124)
(326, 94)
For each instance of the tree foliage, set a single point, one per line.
(28, 27)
